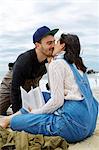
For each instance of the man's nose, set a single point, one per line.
(53, 44)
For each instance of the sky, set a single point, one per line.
(19, 19)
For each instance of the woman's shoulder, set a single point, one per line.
(59, 63)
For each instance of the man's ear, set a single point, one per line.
(37, 45)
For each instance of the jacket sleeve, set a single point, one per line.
(17, 80)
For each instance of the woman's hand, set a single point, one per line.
(29, 108)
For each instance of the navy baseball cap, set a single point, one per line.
(42, 32)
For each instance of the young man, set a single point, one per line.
(30, 66)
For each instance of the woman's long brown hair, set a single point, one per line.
(72, 50)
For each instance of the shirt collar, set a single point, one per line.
(59, 55)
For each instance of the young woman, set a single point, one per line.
(70, 110)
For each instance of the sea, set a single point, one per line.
(10, 55)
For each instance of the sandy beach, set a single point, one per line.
(96, 92)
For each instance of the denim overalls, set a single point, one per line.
(74, 121)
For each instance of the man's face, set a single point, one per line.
(47, 45)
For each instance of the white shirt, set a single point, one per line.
(62, 84)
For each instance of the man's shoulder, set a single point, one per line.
(27, 53)
(24, 58)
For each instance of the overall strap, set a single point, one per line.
(84, 86)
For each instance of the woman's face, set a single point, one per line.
(58, 48)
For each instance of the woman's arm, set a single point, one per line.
(56, 78)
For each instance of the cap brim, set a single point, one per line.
(52, 32)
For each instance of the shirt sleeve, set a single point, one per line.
(17, 80)
(56, 79)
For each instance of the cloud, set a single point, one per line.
(20, 18)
